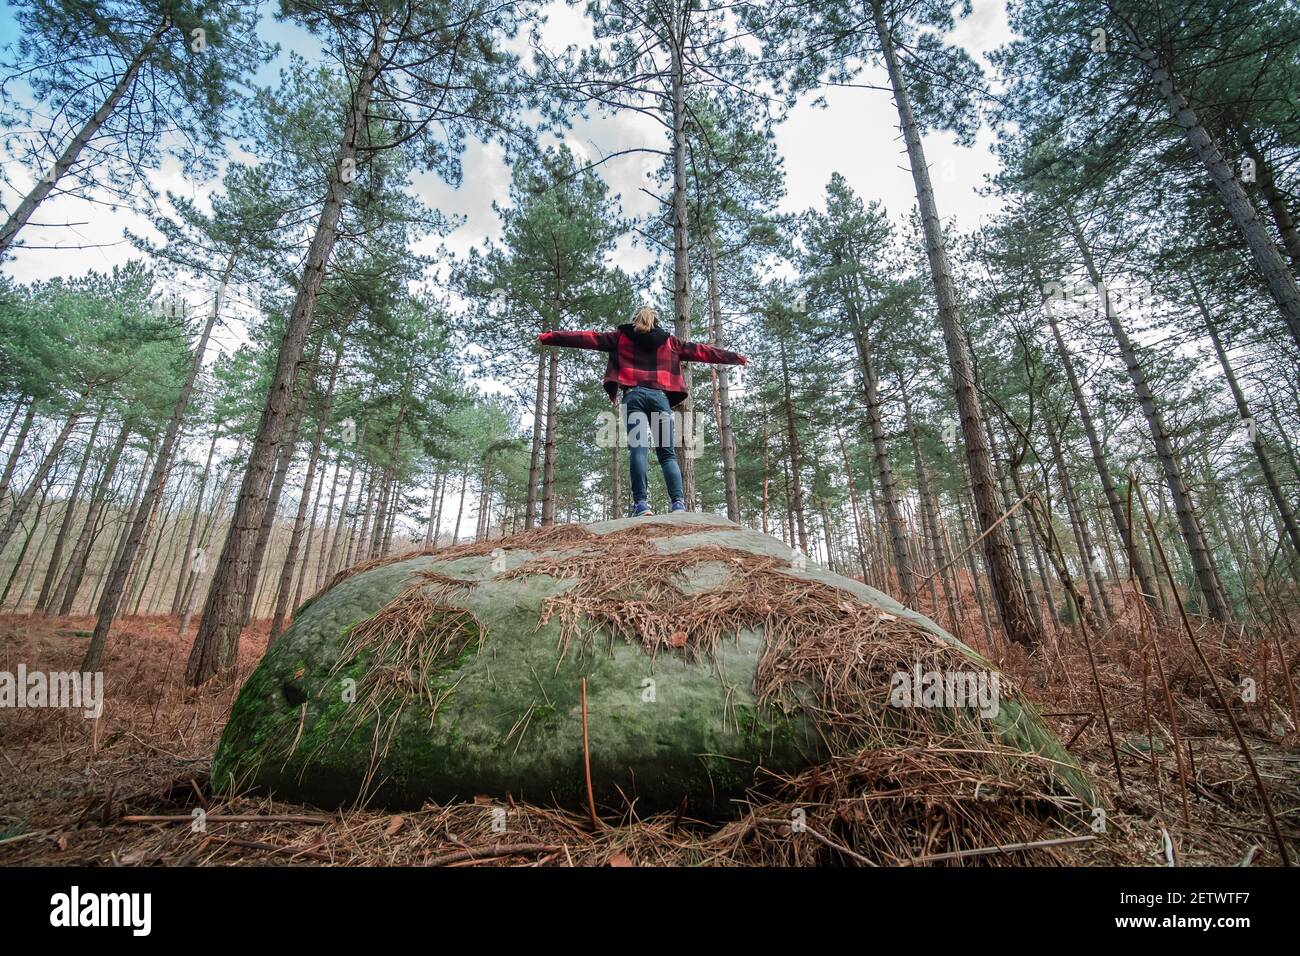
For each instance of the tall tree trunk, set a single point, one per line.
(884, 468)
(169, 558)
(380, 524)
(727, 441)
(1117, 508)
(40, 546)
(788, 531)
(217, 641)
(460, 508)
(548, 468)
(1013, 525)
(877, 539)
(271, 511)
(484, 496)
(362, 539)
(65, 525)
(1040, 565)
(144, 573)
(113, 592)
(435, 506)
(827, 532)
(792, 436)
(1293, 460)
(442, 498)
(1107, 546)
(325, 541)
(65, 592)
(13, 417)
(19, 443)
(681, 257)
(433, 509)
(950, 586)
(853, 502)
(209, 525)
(295, 538)
(1008, 588)
(68, 158)
(1280, 502)
(311, 534)
(27, 540)
(973, 570)
(142, 550)
(339, 524)
(1082, 540)
(928, 510)
(1188, 522)
(534, 458)
(1275, 201)
(388, 497)
(392, 518)
(1281, 281)
(381, 514)
(23, 502)
(124, 529)
(187, 555)
(1084, 611)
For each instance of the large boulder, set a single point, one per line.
(458, 673)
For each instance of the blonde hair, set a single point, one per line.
(645, 318)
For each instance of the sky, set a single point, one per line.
(855, 134)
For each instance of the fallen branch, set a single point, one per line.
(276, 848)
(234, 818)
(825, 840)
(487, 853)
(1005, 848)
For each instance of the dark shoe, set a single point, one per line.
(641, 509)
(678, 505)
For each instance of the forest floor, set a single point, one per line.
(71, 787)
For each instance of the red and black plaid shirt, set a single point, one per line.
(644, 358)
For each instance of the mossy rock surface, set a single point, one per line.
(507, 705)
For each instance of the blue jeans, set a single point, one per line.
(649, 420)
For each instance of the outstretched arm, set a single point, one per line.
(603, 341)
(699, 352)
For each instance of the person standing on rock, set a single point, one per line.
(645, 367)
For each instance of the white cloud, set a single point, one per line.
(856, 135)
